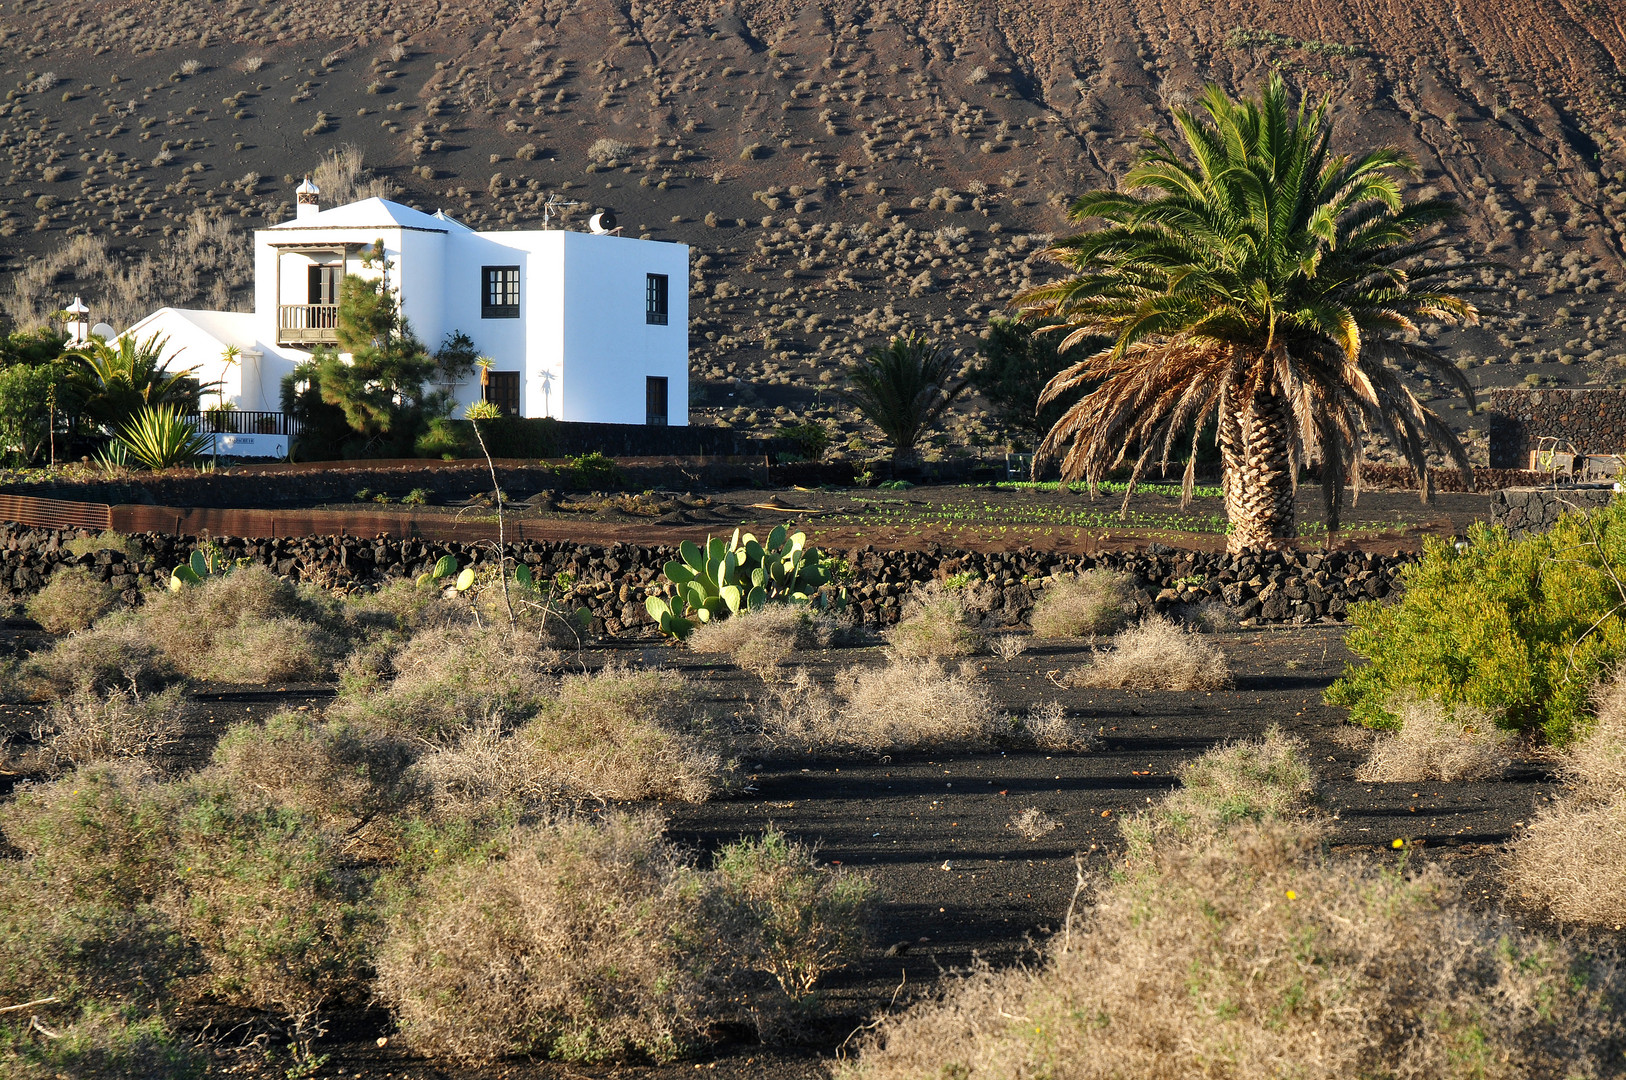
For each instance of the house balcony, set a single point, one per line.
(308, 324)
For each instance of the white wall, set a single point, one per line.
(581, 342)
(609, 348)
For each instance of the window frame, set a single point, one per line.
(657, 299)
(490, 276)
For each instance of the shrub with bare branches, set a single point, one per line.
(89, 727)
(1157, 654)
(1571, 860)
(939, 621)
(72, 600)
(1091, 603)
(1249, 945)
(1435, 743)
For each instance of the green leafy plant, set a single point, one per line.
(592, 470)
(446, 570)
(1521, 629)
(208, 561)
(904, 388)
(416, 497)
(723, 577)
(161, 437)
(811, 437)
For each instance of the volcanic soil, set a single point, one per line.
(934, 829)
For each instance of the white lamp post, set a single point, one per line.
(78, 322)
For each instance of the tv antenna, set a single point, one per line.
(555, 205)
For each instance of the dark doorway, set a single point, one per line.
(324, 284)
(655, 401)
(502, 390)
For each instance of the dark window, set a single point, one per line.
(655, 300)
(502, 390)
(324, 285)
(499, 295)
(655, 401)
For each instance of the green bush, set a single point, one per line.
(102, 1044)
(1519, 628)
(784, 914)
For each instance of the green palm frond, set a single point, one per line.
(1255, 259)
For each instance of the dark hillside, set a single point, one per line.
(843, 170)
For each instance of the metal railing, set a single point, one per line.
(245, 422)
(308, 324)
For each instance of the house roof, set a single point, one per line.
(226, 327)
(369, 214)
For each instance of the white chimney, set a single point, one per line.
(305, 197)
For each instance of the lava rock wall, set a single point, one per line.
(1534, 510)
(613, 581)
(1594, 421)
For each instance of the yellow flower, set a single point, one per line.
(1291, 895)
(1398, 844)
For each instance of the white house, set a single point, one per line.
(582, 326)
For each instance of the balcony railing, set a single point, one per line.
(244, 422)
(308, 324)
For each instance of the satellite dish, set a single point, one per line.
(103, 331)
(602, 222)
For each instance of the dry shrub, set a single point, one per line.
(248, 626)
(272, 903)
(340, 775)
(199, 266)
(344, 178)
(1571, 860)
(77, 919)
(1434, 743)
(1008, 646)
(1031, 823)
(104, 541)
(1091, 603)
(1048, 727)
(1247, 952)
(114, 654)
(938, 622)
(573, 943)
(617, 734)
(89, 727)
(777, 911)
(759, 641)
(449, 679)
(916, 703)
(1598, 760)
(1157, 655)
(72, 600)
(404, 607)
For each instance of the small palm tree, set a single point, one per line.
(904, 388)
(115, 382)
(1266, 283)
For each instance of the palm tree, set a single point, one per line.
(904, 388)
(1267, 284)
(114, 382)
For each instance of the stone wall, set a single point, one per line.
(613, 581)
(1533, 510)
(1593, 420)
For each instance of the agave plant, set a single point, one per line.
(161, 438)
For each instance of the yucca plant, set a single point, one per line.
(1262, 281)
(161, 438)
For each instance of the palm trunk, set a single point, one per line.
(1258, 471)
